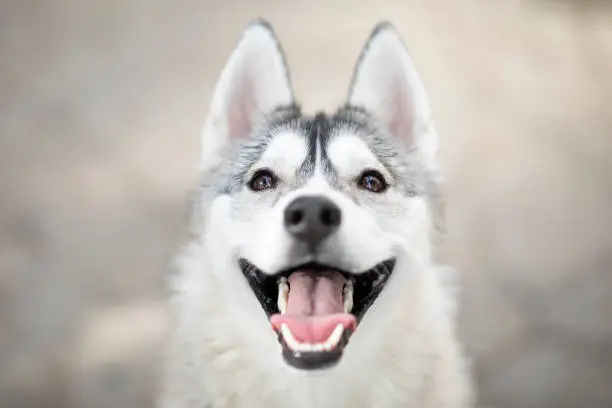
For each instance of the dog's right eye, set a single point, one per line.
(263, 180)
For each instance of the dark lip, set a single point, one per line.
(367, 285)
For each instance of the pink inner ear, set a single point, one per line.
(241, 108)
(401, 115)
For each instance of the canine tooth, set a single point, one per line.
(347, 292)
(336, 334)
(283, 294)
(333, 338)
(292, 343)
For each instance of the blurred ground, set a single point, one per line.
(100, 109)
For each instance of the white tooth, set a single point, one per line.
(318, 347)
(334, 338)
(347, 291)
(283, 295)
(292, 343)
(337, 334)
(297, 347)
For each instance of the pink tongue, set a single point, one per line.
(315, 306)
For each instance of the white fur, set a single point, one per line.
(284, 154)
(350, 155)
(223, 353)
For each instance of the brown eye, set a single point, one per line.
(373, 181)
(262, 180)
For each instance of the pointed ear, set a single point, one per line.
(254, 82)
(387, 85)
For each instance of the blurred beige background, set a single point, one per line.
(100, 109)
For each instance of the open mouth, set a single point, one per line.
(314, 308)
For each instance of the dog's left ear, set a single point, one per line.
(386, 83)
(253, 83)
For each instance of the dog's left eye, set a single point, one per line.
(262, 180)
(373, 181)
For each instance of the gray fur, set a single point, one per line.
(414, 178)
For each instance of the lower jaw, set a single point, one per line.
(323, 356)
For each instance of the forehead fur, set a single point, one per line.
(410, 174)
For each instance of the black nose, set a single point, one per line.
(311, 219)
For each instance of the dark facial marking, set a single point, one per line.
(318, 130)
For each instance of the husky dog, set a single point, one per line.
(309, 277)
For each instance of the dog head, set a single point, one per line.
(315, 212)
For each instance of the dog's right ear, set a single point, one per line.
(254, 82)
